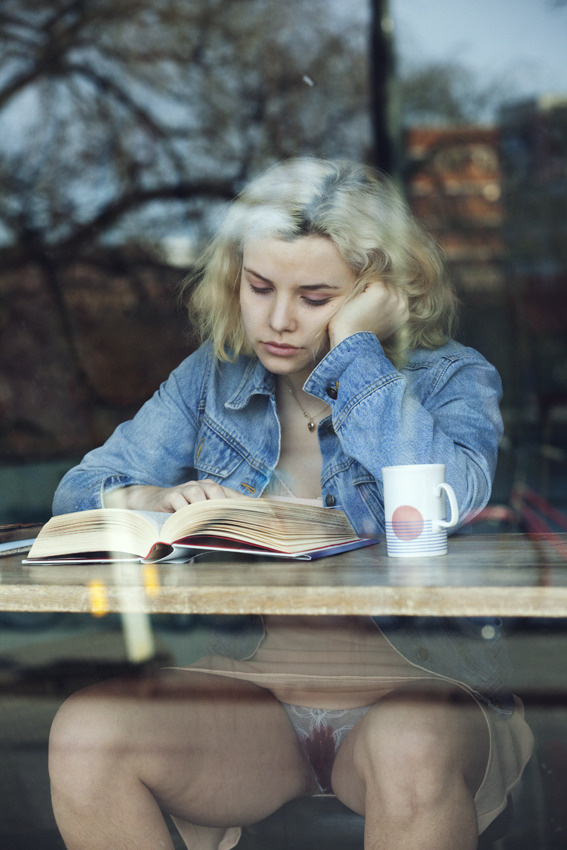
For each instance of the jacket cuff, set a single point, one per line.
(354, 367)
(114, 482)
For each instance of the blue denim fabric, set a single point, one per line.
(219, 421)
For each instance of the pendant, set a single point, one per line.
(311, 425)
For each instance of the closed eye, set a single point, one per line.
(315, 302)
(310, 302)
(260, 290)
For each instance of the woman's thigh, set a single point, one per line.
(212, 751)
(423, 734)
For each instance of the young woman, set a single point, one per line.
(326, 320)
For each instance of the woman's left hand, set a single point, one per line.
(379, 309)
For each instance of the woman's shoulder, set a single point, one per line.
(203, 360)
(451, 352)
(464, 368)
(204, 369)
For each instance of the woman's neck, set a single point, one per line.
(291, 383)
(300, 456)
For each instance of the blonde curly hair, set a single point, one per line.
(360, 210)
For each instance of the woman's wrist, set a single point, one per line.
(339, 334)
(131, 497)
(336, 337)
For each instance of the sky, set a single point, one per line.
(523, 41)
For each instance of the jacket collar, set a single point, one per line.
(256, 380)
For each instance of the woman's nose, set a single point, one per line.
(282, 317)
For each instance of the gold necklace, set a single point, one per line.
(311, 423)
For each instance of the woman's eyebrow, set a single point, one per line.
(258, 275)
(307, 286)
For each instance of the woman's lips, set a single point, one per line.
(280, 349)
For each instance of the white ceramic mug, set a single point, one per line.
(414, 509)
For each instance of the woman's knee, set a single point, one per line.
(89, 735)
(421, 744)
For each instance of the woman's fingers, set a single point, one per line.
(145, 497)
(175, 498)
(379, 309)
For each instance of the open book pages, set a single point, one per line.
(259, 526)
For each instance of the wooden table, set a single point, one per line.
(512, 575)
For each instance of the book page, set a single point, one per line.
(271, 523)
(112, 530)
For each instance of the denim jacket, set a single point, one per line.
(218, 420)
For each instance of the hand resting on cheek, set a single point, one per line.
(379, 309)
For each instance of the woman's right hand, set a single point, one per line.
(145, 497)
(379, 309)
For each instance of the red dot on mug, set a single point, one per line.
(407, 522)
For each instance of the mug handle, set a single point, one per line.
(443, 523)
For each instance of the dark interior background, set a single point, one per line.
(126, 126)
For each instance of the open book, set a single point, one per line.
(254, 526)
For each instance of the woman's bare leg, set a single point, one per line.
(210, 751)
(412, 766)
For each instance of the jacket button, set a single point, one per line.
(422, 653)
(330, 500)
(333, 390)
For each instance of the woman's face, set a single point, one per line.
(289, 290)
